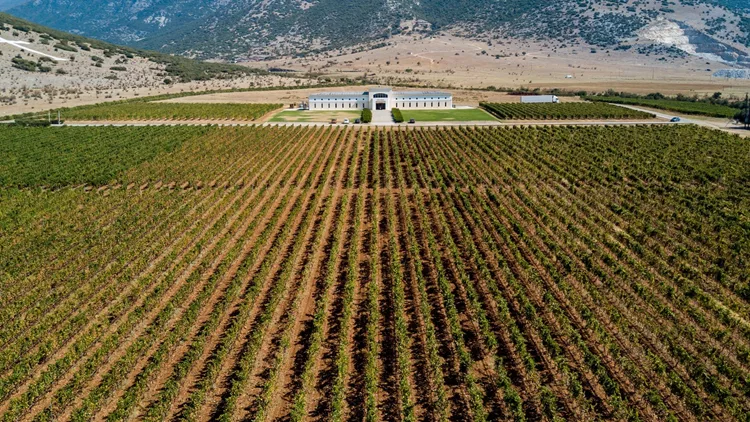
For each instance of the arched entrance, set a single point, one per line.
(381, 101)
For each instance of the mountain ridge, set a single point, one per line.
(236, 30)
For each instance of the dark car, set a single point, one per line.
(675, 120)
(412, 121)
(357, 121)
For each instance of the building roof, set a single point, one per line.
(343, 94)
(338, 94)
(421, 93)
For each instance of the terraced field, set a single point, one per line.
(318, 273)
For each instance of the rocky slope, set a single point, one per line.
(241, 29)
(39, 65)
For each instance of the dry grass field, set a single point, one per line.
(456, 62)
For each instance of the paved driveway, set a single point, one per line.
(381, 117)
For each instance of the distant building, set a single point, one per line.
(381, 99)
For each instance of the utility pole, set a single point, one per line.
(747, 111)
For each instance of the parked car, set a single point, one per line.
(412, 121)
(346, 121)
(333, 121)
(357, 121)
(675, 120)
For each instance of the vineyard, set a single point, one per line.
(562, 111)
(320, 273)
(150, 111)
(73, 155)
(686, 107)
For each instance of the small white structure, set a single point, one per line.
(532, 99)
(381, 98)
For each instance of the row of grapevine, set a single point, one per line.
(317, 273)
(156, 111)
(687, 107)
(562, 111)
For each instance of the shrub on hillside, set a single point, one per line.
(66, 47)
(397, 116)
(366, 115)
(21, 63)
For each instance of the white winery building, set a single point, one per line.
(380, 99)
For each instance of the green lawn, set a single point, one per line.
(453, 115)
(315, 116)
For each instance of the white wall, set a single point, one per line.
(348, 103)
(424, 102)
(393, 101)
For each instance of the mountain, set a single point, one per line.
(237, 29)
(8, 4)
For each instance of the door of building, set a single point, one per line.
(380, 106)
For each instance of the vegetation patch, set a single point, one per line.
(398, 117)
(366, 115)
(311, 116)
(56, 157)
(680, 106)
(66, 47)
(452, 115)
(132, 110)
(495, 273)
(23, 64)
(562, 111)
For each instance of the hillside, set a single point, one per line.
(42, 68)
(177, 68)
(254, 28)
